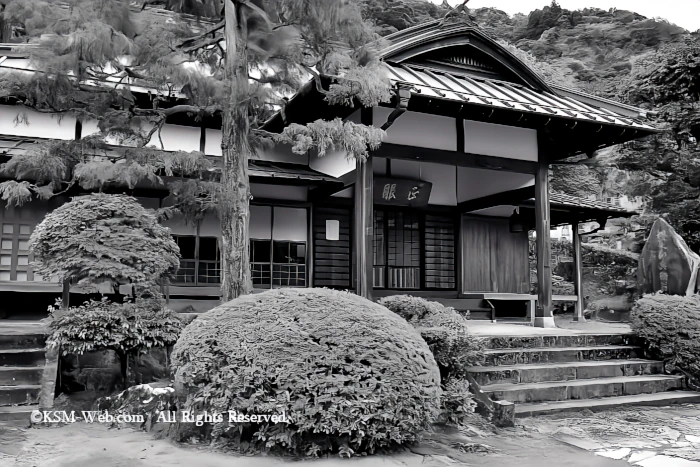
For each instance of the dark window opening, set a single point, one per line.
(287, 268)
(200, 261)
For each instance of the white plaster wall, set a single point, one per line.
(210, 226)
(89, 128)
(260, 222)
(212, 145)
(476, 183)
(418, 129)
(334, 163)
(177, 138)
(289, 224)
(38, 125)
(500, 141)
(280, 153)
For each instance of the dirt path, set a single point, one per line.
(82, 445)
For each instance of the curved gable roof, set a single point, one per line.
(426, 39)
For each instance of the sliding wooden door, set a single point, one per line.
(493, 259)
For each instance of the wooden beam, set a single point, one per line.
(543, 313)
(460, 135)
(505, 198)
(459, 159)
(323, 192)
(578, 273)
(364, 227)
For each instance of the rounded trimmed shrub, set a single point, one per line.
(670, 326)
(445, 331)
(100, 237)
(349, 375)
(454, 348)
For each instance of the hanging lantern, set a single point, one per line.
(516, 222)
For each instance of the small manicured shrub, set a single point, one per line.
(445, 331)
(350, 375)
(454, 348)
(128, 328)
(670, 326)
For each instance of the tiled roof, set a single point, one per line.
(573, 201)
(504, 95)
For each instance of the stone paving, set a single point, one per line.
(643, 436)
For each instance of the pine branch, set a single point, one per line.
(317, 79)
(203, 45)
(188, 43)
(178, 109)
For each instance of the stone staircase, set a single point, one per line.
(22, 358)
(549, 374)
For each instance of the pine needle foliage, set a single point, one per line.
(131, 70)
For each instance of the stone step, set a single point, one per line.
(17, 413)
(567, 371)
(22, 357)
(571, 340)
(497, 357)
(583, 389)
(21, 394)
(20, 375)
(21, 341)
(659, 399)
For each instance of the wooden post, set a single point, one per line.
(578, 273)
(544, 317)
(65, 295)
(364, 228)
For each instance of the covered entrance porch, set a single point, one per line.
(444, 207)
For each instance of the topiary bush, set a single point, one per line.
(454, 348)
(103, 238)
(445, 331)
(670, 326)
(350, 375)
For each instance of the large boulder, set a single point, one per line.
(667, 264)
(349, 375)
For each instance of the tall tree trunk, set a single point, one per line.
(234, 210)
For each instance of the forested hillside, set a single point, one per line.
(617, 54)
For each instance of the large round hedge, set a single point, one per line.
(350, 375)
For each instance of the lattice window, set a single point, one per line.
(15, 258)
(200, 261)
(439, 253)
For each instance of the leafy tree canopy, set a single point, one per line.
(103, 238)
(130, 70)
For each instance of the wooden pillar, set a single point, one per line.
(364, 214)
(364, 229)
(544, 317)
(65, 294)
(578, 273)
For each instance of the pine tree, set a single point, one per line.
(240, 64)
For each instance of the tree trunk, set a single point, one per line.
(124, 367)
(234, 208)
